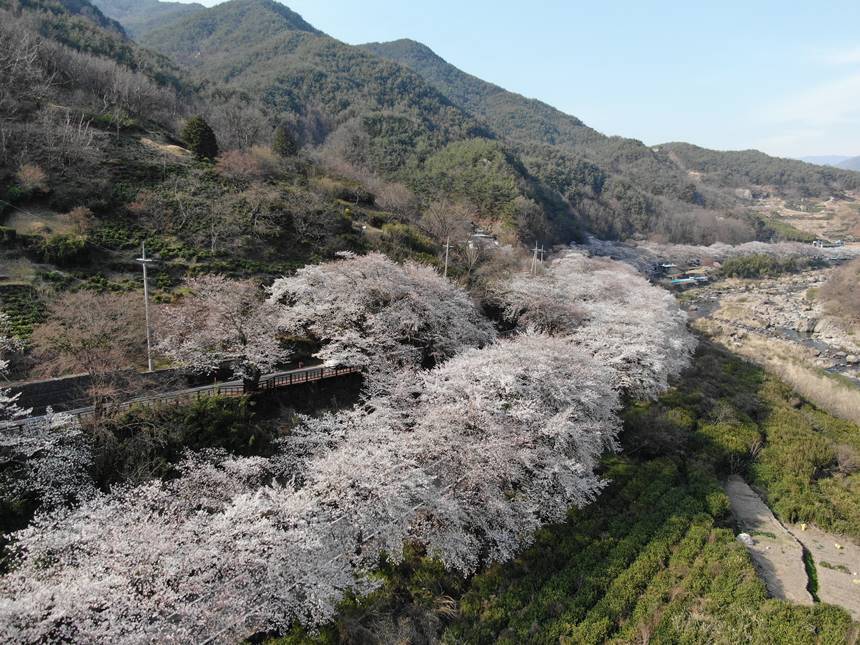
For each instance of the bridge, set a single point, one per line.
(268, 383)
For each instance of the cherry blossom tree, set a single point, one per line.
(468, 458)
(219, 321)
(46, 462)
(498, 441)
(364, 310)
(609, 309)
(221, 547)
(489, 446)
(9, 408)
(538, 303)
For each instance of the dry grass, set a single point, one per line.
(837, 396)
(41, 222)
(168, 149)
(840, 295)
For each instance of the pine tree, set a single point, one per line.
(284, 144)
(200, 138)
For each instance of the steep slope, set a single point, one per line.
(520, 118)
(80, 25)
(208, 39)
(92, 164)
(139, 17)
(375, 114)
(82, 9)
(260, 46)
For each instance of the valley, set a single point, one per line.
(414, 358)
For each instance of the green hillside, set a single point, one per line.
(662, 171)
(739, 169)
(378, 116)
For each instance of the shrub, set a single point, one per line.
(31, 178)
(344, 190)
(82, 218)
(840, 295)
(65, 250)
(239, 166)
(200, 138)
(760, 265)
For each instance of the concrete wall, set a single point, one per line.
(70, 392)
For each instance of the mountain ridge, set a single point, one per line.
(610, 151)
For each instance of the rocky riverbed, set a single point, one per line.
(781, 324)
(784, 308)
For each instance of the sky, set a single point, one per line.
(782, 77)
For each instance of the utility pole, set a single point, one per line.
(534, 258)
(541, 253)
(447, 249)
(144, 261)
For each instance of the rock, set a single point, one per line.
(851, 359)
(806, 325)
(746, 538)
(796, 403)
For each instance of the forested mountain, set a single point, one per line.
(407, 130)
(737, 169)
(141, 16)
(661, 170)
(369, 114)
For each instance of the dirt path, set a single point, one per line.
(777, 555)
(838, 567)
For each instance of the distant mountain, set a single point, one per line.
(139, 17)
(825, 160)
(850, 164)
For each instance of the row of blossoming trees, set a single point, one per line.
(463, 443)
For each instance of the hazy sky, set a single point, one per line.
(783, 77)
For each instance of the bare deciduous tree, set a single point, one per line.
(100, 335)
